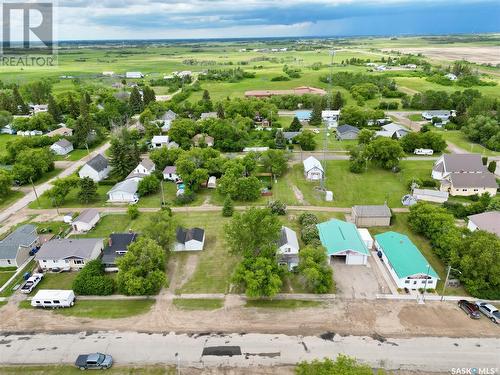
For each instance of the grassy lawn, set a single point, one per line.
(48, 176)
(215, 263)
(10, 198)
(103, 309)
(198, 304)
(68, 370)
(282, 304)
(117, 223)
(63, 280)
(18, 280)
(460, 140)
(72, 200)
(332, 144)
(371, 187)
(4, 276)
(169, 190)
(400, 224)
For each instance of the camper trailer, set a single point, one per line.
(53, 298)
(423, 151)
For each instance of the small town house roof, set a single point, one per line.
(64, 143)
(86, 216)
(473, 180)
(64, 248)
(98, 163)
(487, 221)
(342, 129)
(170, 169)
(25, 235)
(184, 235)
(288, 237)
(311, 162)
(372, 211)
(338, 236)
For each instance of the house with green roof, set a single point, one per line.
(342, 240)
(406, 264)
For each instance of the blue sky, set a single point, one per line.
(156, 19)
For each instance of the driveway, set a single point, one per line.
(358, 281)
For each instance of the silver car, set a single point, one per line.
(490, 311)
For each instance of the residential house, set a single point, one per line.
(299, 91)
(116, 247)
(134, 75)
(255, 149)
(167, 119)
(288, 248)
(160, 141)
(289, 136)
(371, 216)
(487, 221)
(199, 139)
(68, 253)
(313, 170)
(451, 76)
(86, 220)
(189, 239)
(394, 131)
(303, 115)
(170, 173)
(62, 147)
(15, 248)
(457, 163)
(8, 129)
(429, 195)
(143, 169)
(124, 191)
(330, 118)
(207, 115)
(343, 241)
(444, 116)
(406, 264)
(345, 132)
(467, 184)
(96, 168)
(29, 133)
(61, 131)
(39, 108)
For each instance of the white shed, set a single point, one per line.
(313, 170)
(212, 182)
(366, 237)
(192, 239)
(86, 220)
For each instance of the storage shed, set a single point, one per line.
(371, 216)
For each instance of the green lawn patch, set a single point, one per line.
(69, 370)
(72, 200)
(282, 303)
(459, 139)
(4, 276)
(116, 223)
(10, 198)
(62, 280)
(18, 280)
(107, 309)
(48, 176)
(415, 117)
(198, 304)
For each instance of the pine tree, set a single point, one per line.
(88, 99)
(53, 109)
(125, 155)
(135, 101)
(73, 107)
(315, 119)
(206, 95)
(338, 101)
(149, 95)
(228, 208)
(84, 107)
(21, 107)
(220, 111)
(81, 130)
(88, 190)
(295, 126)
(280, 140)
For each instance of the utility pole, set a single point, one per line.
(162, 195)
(446, 280)
(328, 105)
(34, 190)
(425, 284)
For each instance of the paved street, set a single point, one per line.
(199, 350)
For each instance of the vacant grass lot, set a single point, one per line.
(198, 304)
(69, 370)
(459, 139)
(371, 187)
(72, 200)
(63, 280)
(400, 224)
(282, 304)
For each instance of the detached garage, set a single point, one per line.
(342, 240)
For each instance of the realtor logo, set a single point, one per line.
(27, 34)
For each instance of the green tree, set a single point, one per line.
(124, 154)
(492, 166)
(316, 119)
(148, 185)
(295, 126)
(142, 268)
(220, 110)
(5, 183)
(343, 365)
(385, 152)
(133, 211)
(228, 207)
(84, 107)
(277, 207)
(314, 267)
(20, 106)
(91, 280)
(161, 227)
(53, 109)
(306, 140)
(249, 232)
(280, 140)
(5, 118)
(135, 101)
(149, 95)
(88, 190)
(82, 130)
(338, 101)
(61, 188)
(260, 276)
(274, 161)
(365, 136)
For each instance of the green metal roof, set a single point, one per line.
(338, 236)
(404, 256)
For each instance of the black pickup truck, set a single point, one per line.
(94, 361)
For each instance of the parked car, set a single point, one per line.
(94, 361)
(489, 310)
(31, 283)
(471, 309)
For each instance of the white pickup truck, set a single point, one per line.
(31, 283)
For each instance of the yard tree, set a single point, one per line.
(148, 185)
(338, 101)
(91, 280)
(206, 95)
(61, 187)
(133, 211)
(31, 164)
(314, 267)
(365, 136)
(343, 365)
(357, 158)
(161, 227)
(260, 276)
(135, 101)
(5, 183)
(20, 105)
(274, 161)
(53, 109)
(220, 110)
(84, 106)
(492, 166)
(316, 119)
(41, 121)
(295, 126)
(247, 188)
(249, 232)
(228, 207)
(142, 268)
(72, 106)
(124, 154)
(279, 139)
(37, 91)
(385, 152)
(277, 207)
(182, 131)
(81, 130)
(88, 190)
(164, 156)
(306, 140)
(5, 118)
(149, 95)
(309, 233)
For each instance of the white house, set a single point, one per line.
(62, 147)
(160, 141)
(15, 248)
(405, 263)
(288, 248)
(144, 168)
(313, 170)
(189, 239)
(167, 119)
(392, 131)
(108, 74)
(39, 108)
(330, 117)
(68, 253)
(96, 168)
(487, 221)
(134, 75)
(212, 182)
(124, 191)
(170, 173)
(444, 116)
(86, 220)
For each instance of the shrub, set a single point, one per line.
(429, 183)
(277, 207)
(185, 198)
(92, 281)
(148, 185)
(309, 233)
(492, 166)
(308, 218)
(228, 208)
(133, 212)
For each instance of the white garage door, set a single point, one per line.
(355, 259)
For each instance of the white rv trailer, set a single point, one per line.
(53, 298)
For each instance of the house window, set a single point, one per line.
(407, 281)
(8, 261)
(78, 261)
(476, 189)
(44, 261)
(414, 283)
(464, 189)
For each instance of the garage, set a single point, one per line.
(343, 242)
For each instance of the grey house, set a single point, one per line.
(371, 216)
(15, 248)
(117, 247)
(347, 132)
